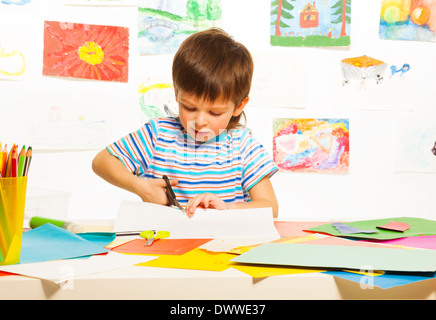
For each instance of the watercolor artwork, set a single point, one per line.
(164, 24)
(272, 89)
(365, 82)
(312, 145)
(415, 144)
(413, 20)
(101, 2)
(304, 23)
(14, 52)
(86, 51)
(156, 99)
(67, 120)
(16, 2)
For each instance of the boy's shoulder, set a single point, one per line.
(165, 123)
(240, 132)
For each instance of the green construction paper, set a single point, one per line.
(418, 227)
(340, 257)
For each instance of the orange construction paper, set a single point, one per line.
(160, 246)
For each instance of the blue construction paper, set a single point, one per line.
(344, 228)
(101, 239)
(386, 280)
(49, 242)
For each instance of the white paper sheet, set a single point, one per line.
(205, 223)
(415, 138)
(63, 270)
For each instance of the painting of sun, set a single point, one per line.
(86, 51)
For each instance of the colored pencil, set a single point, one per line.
(14, 162)
(5, 160)
(21, 161)
(9, 163)
(1, 160)
(27, 162)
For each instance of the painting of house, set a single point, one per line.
(309, 16)
(310, 23)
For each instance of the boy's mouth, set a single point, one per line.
(203, 135)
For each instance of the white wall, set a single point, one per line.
(370, 190)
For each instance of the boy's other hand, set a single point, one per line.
(207, 201)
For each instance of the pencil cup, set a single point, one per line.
(12, 201)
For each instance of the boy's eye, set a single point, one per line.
(188, 108)
(215, 114)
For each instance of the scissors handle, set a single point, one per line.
(169, 192)
(152, 235)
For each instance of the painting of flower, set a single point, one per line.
(86, 51)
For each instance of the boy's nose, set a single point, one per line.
(200, 120)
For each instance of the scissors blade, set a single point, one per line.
(149, 242)
(179, 206)
(171, 195)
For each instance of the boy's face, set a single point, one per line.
(204, 120)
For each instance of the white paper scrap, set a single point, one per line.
(59, 271)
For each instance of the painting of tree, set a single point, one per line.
(343, 11)
(281, 8)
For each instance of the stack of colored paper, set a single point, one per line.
(392, 251)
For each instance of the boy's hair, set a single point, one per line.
(211, 65)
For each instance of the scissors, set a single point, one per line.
(151, 235)
(171, 196)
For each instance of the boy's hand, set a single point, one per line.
(153, 190)
(205, 200)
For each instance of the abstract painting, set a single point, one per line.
(164, 24)
(303, 23)
(311, 145)
(86, 51)
(408, 20)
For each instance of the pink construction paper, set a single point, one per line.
(295, 228)
(423, 242)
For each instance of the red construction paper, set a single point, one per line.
(395, 226)
(160, 246)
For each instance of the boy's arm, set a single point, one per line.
(262, 195)
(111, 169)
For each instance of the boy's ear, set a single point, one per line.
(175, 93)
(240, 107)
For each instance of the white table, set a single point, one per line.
(137, 282)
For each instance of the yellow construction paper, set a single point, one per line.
(241, 250)
(196, 259)
(259, 271)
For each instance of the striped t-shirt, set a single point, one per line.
(227, 165)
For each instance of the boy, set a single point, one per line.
(213, 162)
